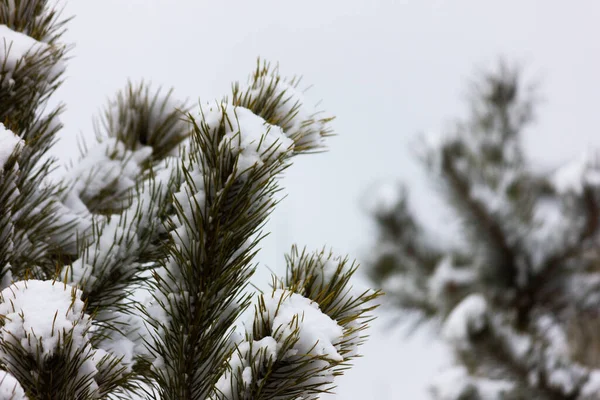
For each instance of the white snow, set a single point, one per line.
(560, 370)
(109, 164)
(127, 341)
(592, 385)
(38, 314)
(116, 241)
(554, 335)
(519, 344)
(492, 389)
(467, 318)
(291, 316)
(299, 120)
(110, 249)
(246, 357)
(328, 269)
(318, 334)
(493, 199)
(122, 348)
(429, 147)
(547, 234)
(573, 176)
(387, 197)
(325, 267)
(119, 119)
(9, 143)
(404, 286)
(10, 388)
(450, 384)
(446, 274)
(248, 136)
(190, 198)
(455, 382)
(15, 47)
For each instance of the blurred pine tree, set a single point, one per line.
(518, 297)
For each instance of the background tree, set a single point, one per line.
(131, 273)
(517, 298)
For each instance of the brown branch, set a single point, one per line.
(482, 220)
(536, 293)
(492, 346)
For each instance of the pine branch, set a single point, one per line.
(227, 194)
(31, 66)
(304, 334)
(8, 197)
(279, 102)
(139, 117)
(326, 280)
(220, 206)
(540, 289)
(54, 360)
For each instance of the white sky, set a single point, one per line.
(387, 69)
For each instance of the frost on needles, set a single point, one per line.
(517, 298)
(128, 278)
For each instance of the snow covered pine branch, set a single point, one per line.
(128, 278)
(519, 294)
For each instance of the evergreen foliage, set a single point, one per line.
(517, 297)
(129, 278)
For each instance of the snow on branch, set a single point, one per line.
(308, 327)
(102, 179)
(15, 50)
(117, 246)
(38, 314)
(280, 102)
(456, 383)
(328, 280)
(10, 388)
(140, 117)
(226, 192)
(9, 144)
(289, 333)
(469, 318)
(249, 137)
(44, 322)
(577, 174)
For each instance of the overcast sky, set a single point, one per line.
(388, 70)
